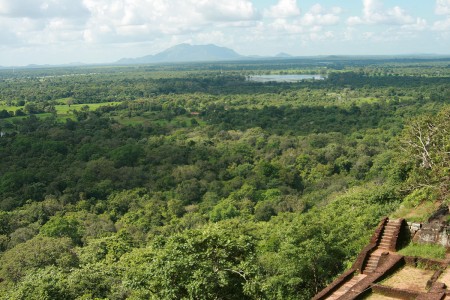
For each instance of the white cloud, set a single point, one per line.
(317, 15)
(7, 36)
(442, 7)
(42, 9)
(282, 26)
(281, 32)
(230, 10)
(375, 13)
(116, 21)
(144, 20)
(133, 20)
(283, 9)
(314, 36)
(419, 25)
(442, 25)
(106, 30)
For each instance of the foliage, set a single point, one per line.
(62, 227)
(217, 261)
(191, 182)
(431, 251)
(36, 253)
(427, 139)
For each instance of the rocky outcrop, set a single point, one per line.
(435, 232)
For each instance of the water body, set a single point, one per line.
(285, 78)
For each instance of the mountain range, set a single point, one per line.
(212, 53)
(187, 53)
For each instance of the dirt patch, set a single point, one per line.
(409, 278)
(375, 296)
(445, 278)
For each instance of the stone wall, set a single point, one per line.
(434, 232)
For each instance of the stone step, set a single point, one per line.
(386, 237)
(370, 268)
(385, 241)
(397, 221)
(352, 282)
(368, 271)
(371, 264)
(392, 225)
(346, 287)
(373, 259)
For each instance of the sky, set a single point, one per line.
(102, 31)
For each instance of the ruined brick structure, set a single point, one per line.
(379, 259)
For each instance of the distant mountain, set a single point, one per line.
(186, 53)
(283, 55)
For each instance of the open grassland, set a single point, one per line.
(62, 110)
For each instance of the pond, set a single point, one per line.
(285, 78)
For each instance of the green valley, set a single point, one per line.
(190, 181)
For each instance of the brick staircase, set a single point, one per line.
(372, 262)
(391, 228)
(386, 243)
(346, 287)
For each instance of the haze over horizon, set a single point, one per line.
(104, 31)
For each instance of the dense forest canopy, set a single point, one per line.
(191, 182)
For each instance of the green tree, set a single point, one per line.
(36, 253)
(59, 226)
(426, 140)
(214, 262)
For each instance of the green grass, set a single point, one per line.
(431, 251)
(63, 111)
(9, 108)
(418, 205)
(420, 213)
(64, 100)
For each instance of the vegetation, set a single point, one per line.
(190, 182)
(431, 251)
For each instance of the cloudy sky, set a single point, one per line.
(98, 31)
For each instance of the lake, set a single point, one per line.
(285, 78)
